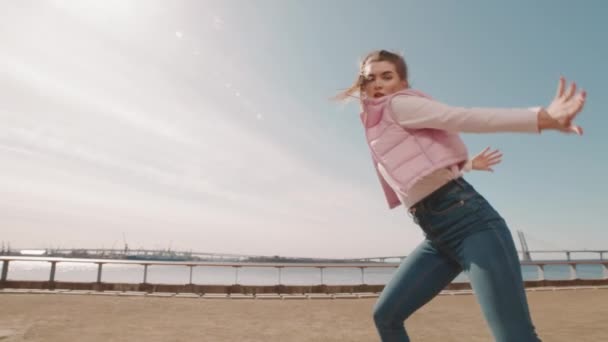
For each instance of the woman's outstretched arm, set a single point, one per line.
(417, 112)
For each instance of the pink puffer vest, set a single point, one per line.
(407, 154)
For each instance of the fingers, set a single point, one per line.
(485, 153)
(494, 161)
(571, 91)
(496, 156)
(572, 129)
(580, 101)
(578, 130)
(495, 153)
(560, 87)
(482, 153)
(575, 107)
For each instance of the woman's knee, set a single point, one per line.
(385, 316)
(381, 314)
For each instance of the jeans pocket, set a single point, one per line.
(451, 203)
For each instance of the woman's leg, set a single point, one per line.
(470, 230)
(491, 262)
(419, 278)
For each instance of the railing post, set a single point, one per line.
(605, 270)
(321, 271)
(362, 275)
(52, 275)
(191, 267)
(573, 274)
(4, 270)
(280, 268)
(541, 272)
(99, 270)
(236, 274)
(145, 273)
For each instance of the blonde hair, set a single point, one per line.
(375, 56)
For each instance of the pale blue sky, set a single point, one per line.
(206, 125)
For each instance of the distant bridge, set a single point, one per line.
(526, 255)
(113, 253)
(173, 255)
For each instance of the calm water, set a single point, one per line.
(79, 272)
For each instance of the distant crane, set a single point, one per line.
(124, 239)
(525, 252)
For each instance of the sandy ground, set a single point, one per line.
(565, 315)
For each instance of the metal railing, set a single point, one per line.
(6, 260)
(146, 264)
(540, 265)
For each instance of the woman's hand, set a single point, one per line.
(563, 109)
(484, 160)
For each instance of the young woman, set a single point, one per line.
(419, 157)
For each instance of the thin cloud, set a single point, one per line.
(109, 141)
(217, 22)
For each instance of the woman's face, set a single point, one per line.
(381, 79)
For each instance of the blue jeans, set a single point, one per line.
(463, 233)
